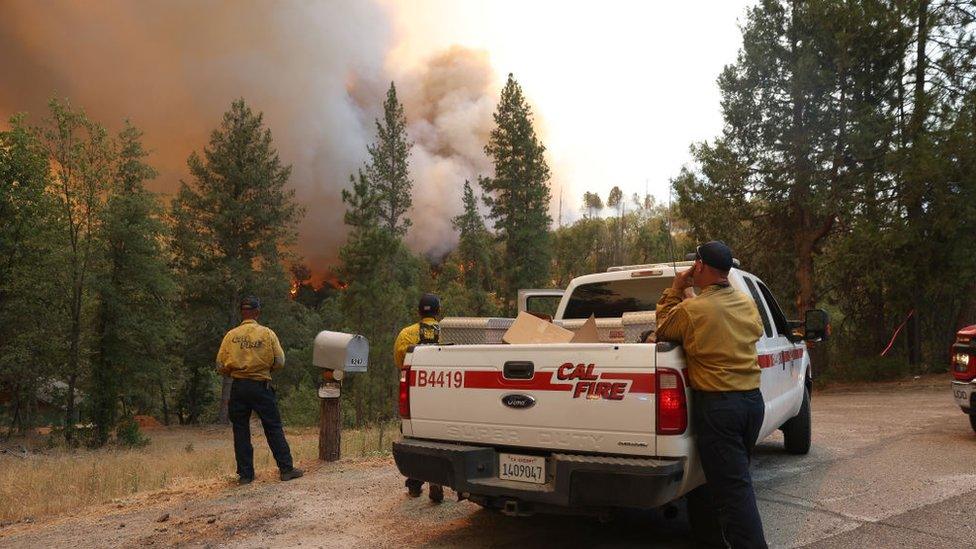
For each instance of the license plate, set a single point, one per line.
(522, 468)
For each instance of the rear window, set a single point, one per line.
(612, 299)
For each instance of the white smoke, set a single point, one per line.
(448, 104)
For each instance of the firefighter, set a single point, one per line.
(425, 332)
(719, 329)
(248, 354)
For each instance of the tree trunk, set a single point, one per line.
(162, 394)
(74, 358)
(232, 320)
(915, 130)
(225, 400)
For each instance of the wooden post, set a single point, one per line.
(329, 422)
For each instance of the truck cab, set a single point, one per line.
(582, 427)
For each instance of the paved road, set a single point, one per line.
(893, 466)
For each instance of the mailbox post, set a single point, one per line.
(336, 354)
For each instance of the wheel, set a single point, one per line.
(796, 431)
(972, 421)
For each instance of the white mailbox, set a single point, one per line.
(340, 352)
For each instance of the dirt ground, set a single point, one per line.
(891, 466)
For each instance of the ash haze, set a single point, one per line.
(619, 90)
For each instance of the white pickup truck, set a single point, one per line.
(585, 427)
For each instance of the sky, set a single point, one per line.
(621, 88)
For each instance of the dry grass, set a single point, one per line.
(60, 481)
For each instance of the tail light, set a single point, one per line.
(672, 404)
(405, 393)
(963, 366)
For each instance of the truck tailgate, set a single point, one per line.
(575, 397)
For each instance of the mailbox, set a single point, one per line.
(340, 352)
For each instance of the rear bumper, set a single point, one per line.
(573, 481)
(962, 392)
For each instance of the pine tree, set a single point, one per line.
(388, 169)
(615, 200)
(475, 244)
(31, 299)
(518, 193)
(592, 204)
(379, 299)
(233, 228)
(81, 158)
(136, 324)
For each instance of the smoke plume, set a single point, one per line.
(449, 105)
(316, 71)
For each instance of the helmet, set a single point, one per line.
(429, 305)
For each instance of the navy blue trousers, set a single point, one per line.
(246, 396)
(726, 427)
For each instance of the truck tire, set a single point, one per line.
(972, 421)
(797, 431)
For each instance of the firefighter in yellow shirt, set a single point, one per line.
(248, 354)
(719, 329)
(425, 332)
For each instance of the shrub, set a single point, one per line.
(128, 435)
(300, 406)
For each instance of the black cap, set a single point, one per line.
(715, 254)
(430, 304)
(250, 303)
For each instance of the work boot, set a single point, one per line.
(292, 473)
(414, 487)
(436, 493)
(245, 480)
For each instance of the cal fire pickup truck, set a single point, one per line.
(964, 372)
(585, 427)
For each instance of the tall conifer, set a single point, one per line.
(518, 193)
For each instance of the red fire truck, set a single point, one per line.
(964, 372)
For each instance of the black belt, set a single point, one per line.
(261, 382)
(723, 394)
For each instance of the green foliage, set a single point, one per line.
(592, 204)
(30, 298)
(593, 244)
(135, 326)
(844, 174)
(81, 157)
(518, 194)
(388, 170)
(380, 297)
(467, 282)
(128, 434)
(300, 406)
(233, 228)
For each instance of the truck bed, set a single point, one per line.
(574, 397)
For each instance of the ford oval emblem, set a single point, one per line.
(518, 401)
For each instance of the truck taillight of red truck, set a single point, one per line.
(964, 372)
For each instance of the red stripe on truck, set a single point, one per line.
(542, 381)
(639, 383)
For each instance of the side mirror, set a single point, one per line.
(816, 325)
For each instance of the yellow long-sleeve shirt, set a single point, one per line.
(718, 330)
(250, 351)
(407, 337)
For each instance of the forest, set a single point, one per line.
(844, 176)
